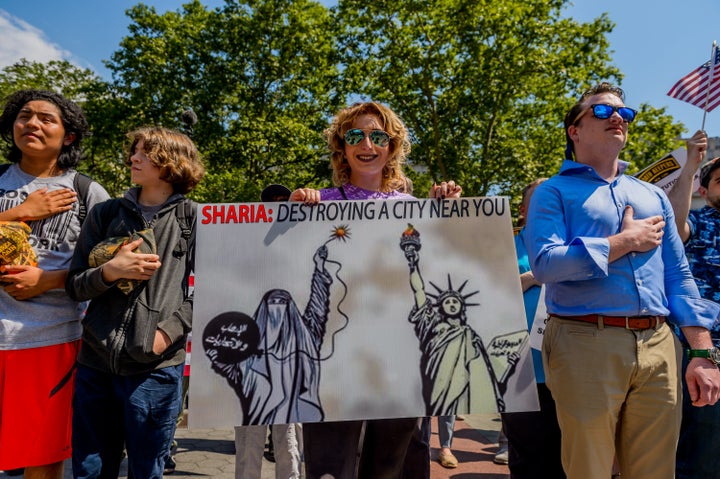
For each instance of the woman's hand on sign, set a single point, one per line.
(446, 189)
(308, 196)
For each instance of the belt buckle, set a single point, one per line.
(653, 323)
(639, 328)
(657, 322)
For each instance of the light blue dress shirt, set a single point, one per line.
(573, 214)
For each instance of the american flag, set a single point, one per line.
(693, 88)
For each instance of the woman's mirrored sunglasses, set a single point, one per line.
(356, 135)
(604, 111)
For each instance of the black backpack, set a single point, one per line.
(81, 184)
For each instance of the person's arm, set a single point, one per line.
(636, 235)
(702, 375)
(41, 204)
(308, 196)
(126, 264)
(83, 281)
(527, 281)
(556, 256)
(691, 313)
(24, 282)
(681, 193)
(177, 325)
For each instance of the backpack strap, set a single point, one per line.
(81, 184)
(185, 215)
(184, 212)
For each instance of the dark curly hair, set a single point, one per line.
(72, 116)
(171, 151)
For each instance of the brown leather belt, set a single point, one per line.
(627, 322)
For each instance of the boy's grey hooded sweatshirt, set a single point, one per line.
(119, 329)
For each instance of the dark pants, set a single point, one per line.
(698, 455)
(417, 459)
(534, 440)
(139, 411)
(332, 448)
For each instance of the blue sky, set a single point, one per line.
(655, 42)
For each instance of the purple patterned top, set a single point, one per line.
(355, 193)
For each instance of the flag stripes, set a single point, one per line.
(701, 85)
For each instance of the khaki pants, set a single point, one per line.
(617, 391)
(250, 443)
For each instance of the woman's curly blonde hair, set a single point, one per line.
(171, 151)
(393, 176)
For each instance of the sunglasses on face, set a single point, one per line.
(356, 135)
(604, 111)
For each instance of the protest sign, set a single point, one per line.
(357, 310)
(665, 172)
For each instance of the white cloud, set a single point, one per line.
(22, 40)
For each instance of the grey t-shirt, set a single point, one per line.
(52, 317)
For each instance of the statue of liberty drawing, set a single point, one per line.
(454, 357)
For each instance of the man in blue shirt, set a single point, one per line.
(606, 248)
(697, 454)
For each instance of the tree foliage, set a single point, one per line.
(651, 136)
(483, 87)
(258, 74)
(60, 76)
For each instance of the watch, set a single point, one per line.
(712, 354)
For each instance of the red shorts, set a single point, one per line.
(36, 390)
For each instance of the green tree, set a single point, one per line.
(60, 76)
(258, 74)
(482, 85)
(651, 136)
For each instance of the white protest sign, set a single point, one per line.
(357, 310)
(665, 172)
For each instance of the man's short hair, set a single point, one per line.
(707, 170)
(572, 114)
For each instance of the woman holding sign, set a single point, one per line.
(368, 144)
